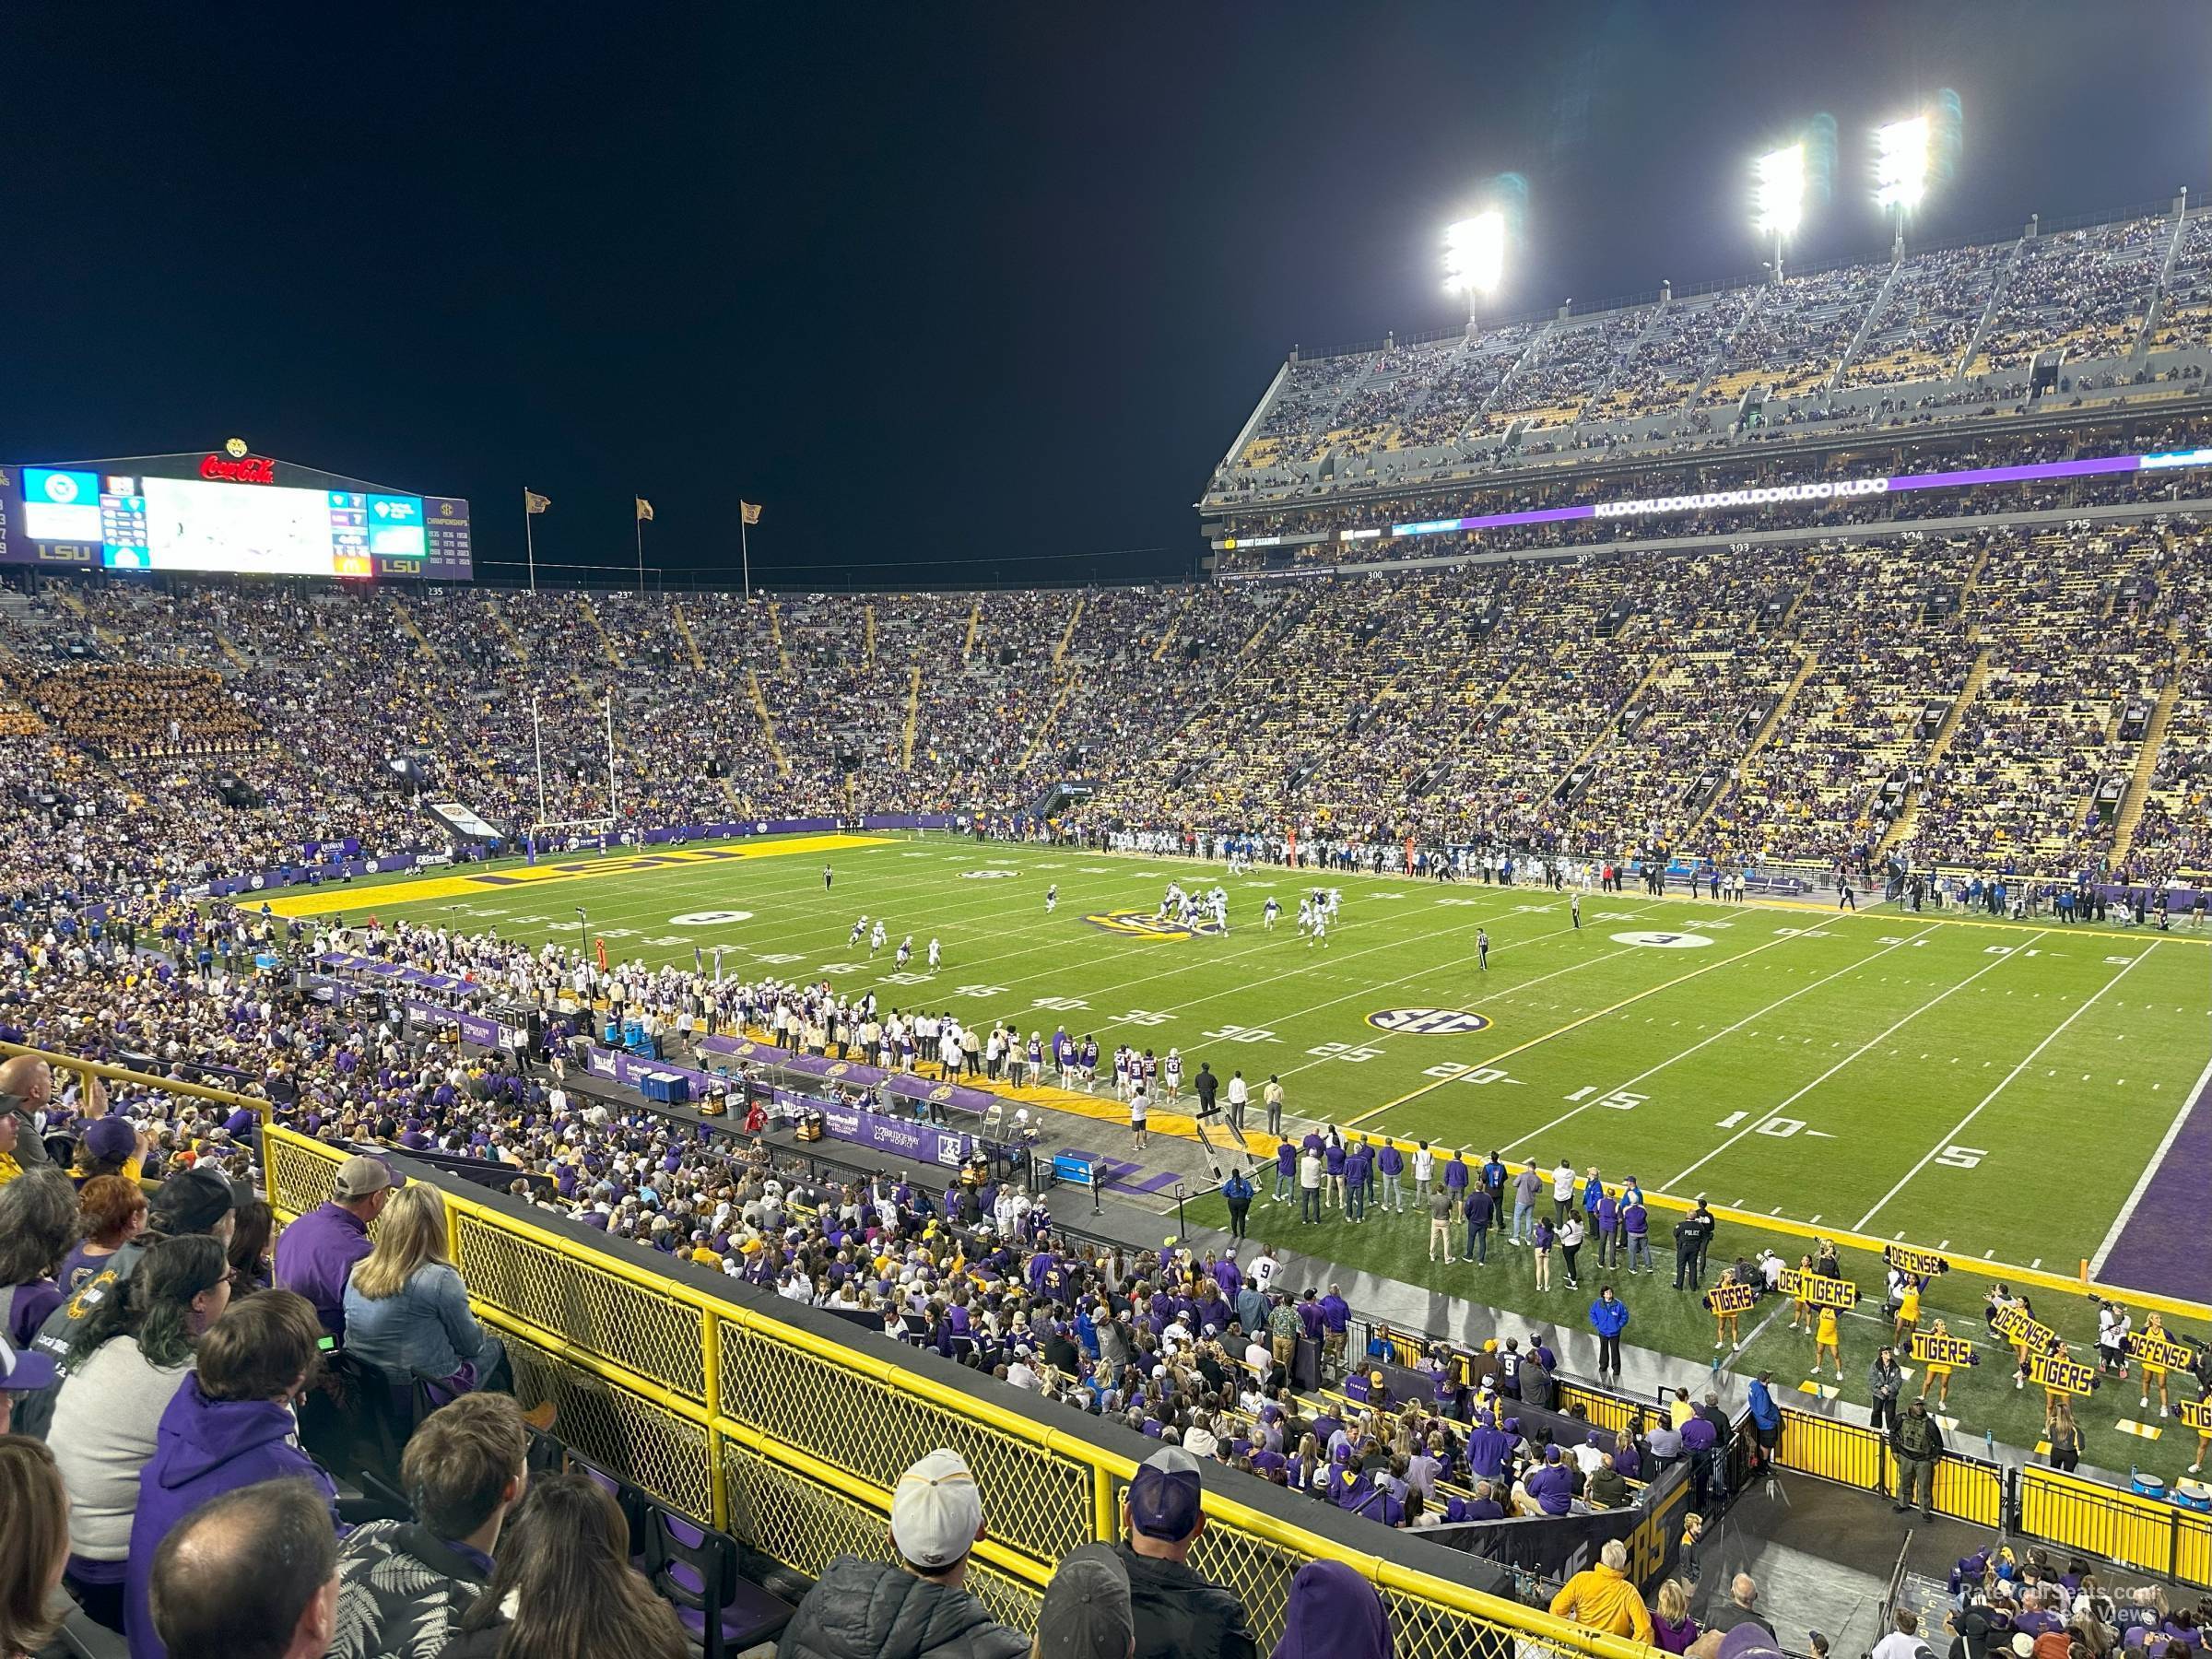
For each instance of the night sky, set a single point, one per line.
(960, 294)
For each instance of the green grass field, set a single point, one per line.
(1990, 1088)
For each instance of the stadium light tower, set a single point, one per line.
(1474, 257)
(1778, 196)
(1901, 170)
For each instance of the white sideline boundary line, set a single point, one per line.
(1874, 1042)
(1960, 1128)
(2173, 1130)
(1739, 1025)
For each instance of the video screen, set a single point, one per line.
(130, 522)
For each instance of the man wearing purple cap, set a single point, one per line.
(1179, 1614)
(23, 1372)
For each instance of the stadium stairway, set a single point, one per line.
(1900, 829)
(775, 637)
(408, 626)
(1858, 339)
(913, 718)
(1067, 634)
(2147, 760)
(1767, 728)
(767, 724)
(683, 630)
(607, 641)
(1051, 716)
(506, 629)
(1997, 290)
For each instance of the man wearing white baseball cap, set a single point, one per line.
(917, 1605)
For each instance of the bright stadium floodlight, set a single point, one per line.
(1778, 196)
(1901, 168)
(1474, 257)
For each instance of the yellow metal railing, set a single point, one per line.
(795, 1442)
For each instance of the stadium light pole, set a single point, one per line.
(1778, 196)
(1901, 172)
(1475, 258)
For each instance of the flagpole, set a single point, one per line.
(529, 541)
(640, 517)
(745, 552)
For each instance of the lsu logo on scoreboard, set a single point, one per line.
(1943, 1352)
(1144, 924)
(1428, 1022)
(1818, 1289)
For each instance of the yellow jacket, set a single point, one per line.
(1599, 1598)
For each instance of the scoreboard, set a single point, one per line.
(228, 511)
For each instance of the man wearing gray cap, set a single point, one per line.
(315, 1255)
(1086, 1613)
(914, 1605)
(1178, 1614)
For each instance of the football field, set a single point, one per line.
(1997, 1090)
(1990, 1087)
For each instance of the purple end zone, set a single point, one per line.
(2163, 1247)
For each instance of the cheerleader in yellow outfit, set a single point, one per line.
(1828, 1339)
(1908, 1315)
(1801, 1311)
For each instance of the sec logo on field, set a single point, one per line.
(1428, 1022)
(985, 875)
(1664, 941)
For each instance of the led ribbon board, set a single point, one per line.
(1763, 495)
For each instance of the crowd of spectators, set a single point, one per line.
(1665, 378)
(1637, 703)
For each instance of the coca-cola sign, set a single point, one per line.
(248, 469)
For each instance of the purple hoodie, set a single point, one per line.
(203, 1449)
(1334, 1613)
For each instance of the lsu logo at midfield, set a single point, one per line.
(1428, 1022)
(1144, 924)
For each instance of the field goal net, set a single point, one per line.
(572, 835)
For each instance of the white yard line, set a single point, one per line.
(1952, 1138)
(1872, 1043)
(1755, 1013)
(1381, 1037)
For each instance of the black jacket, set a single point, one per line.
(1182, 1615)
(874, 1610)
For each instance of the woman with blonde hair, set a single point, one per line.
(1672, 1629)
(406, 1310)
